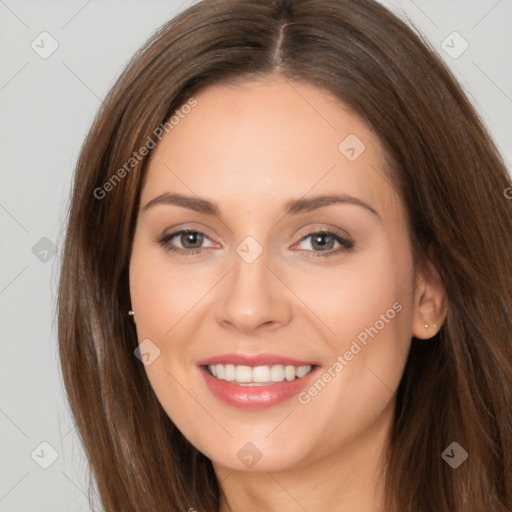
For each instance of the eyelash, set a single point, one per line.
(345, 245)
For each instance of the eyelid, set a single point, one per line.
(180, 228)
(328, 230)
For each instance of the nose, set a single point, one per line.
(253, 297)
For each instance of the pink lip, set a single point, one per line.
(256, 397)
(254, 360)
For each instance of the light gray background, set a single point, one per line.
(46, 108)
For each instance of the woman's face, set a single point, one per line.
(295, 285)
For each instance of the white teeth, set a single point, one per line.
(242, 373)
(289, 372)
(303, 370)
(261, 374)
(277, 373)
(229, 372)
(247, 375)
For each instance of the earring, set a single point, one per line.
(426, 326)
(131, 313)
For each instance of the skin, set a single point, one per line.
(250, 148)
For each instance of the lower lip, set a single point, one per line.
(255, 397)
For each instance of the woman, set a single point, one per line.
(337, 333)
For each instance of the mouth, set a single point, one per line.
(255, 382)
(242, 375)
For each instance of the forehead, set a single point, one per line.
(262, 140)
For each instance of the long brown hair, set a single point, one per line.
(456, 387)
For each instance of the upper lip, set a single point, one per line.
(254, 360)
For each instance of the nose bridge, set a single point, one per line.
(253, 295)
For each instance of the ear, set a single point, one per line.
(430, 303)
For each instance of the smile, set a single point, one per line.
(255, 381)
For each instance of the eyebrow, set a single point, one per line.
(293, 207)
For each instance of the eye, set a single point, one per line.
(325, 241)
(190, 240)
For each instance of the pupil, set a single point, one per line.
(192, 238)
(318, 240)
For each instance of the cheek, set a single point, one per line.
(359, 297)
(161, 293)
(163, 298)
(369, 311)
